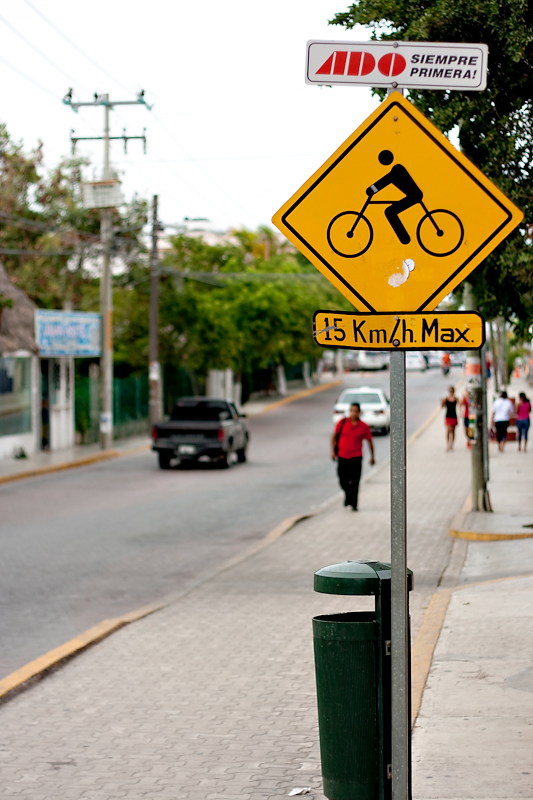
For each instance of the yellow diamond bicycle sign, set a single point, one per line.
(397, 217)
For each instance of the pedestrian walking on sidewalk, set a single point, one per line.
(450, 420)
(522, 419)
(347, 450)
(502, 411)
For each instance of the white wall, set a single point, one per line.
(62, 405)
(29, 442)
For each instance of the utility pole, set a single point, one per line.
(477, 404)
(156, 394)
(495, 357)
(502, 348)
(106, 234)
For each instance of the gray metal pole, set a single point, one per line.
(502, 350)
(106, 418)
(106, 308)
(156, 406)
(495, 356)
(475, 385)
(400, 722)
(107, 169)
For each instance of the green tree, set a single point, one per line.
(42, 215)
(495, 126)
(247, 304)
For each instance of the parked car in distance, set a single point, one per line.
(375, 408)
(414, 360)
(373, 359)
(350, 360)
(201, 429)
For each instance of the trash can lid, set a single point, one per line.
(355, 577)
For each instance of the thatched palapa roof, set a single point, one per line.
(17, 326)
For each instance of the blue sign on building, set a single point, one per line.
(67, 333)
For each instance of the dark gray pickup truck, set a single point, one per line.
(203, 429)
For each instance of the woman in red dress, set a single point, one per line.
(450, 420)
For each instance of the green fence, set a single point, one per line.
(130, 407)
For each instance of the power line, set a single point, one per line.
(215, 277)
(16, 251)
(27, 77)
(31, 224)
(167, 164)
(197, 165)
(235, 158)
(74, 45)
(39, 52)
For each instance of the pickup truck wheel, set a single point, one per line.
(223, 462)
(241, 455)
(164, 460)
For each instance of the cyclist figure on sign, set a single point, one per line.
(399, 177)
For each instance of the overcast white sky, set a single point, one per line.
(234, 130)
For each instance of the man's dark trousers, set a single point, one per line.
(349, 472)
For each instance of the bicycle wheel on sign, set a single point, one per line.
(350, 234)
(440, 232)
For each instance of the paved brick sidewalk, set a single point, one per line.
(213, 697)
(474, 733)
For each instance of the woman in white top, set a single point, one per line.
(502, 411)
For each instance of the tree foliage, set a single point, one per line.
(495, 126)
(248, 305)
(245, 303)
(41, 214)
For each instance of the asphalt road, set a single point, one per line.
(93, 543)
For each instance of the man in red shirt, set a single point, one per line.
(347, 449)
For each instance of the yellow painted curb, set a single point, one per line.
(25, 676)
(475, 536)
(53, 658)
(105, 455)
(298, 396)
(424, 646)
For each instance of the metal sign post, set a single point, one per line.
(400, 722)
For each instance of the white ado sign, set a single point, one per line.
(410, 65)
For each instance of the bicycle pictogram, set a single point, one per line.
(439, 232)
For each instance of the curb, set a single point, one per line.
(106, 455)
(36, 670)
(27, 675)
(456, 530)
(475, 536)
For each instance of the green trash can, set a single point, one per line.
(352, 663)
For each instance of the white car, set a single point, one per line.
(372, 359)
(414, 360)
(375, 408)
